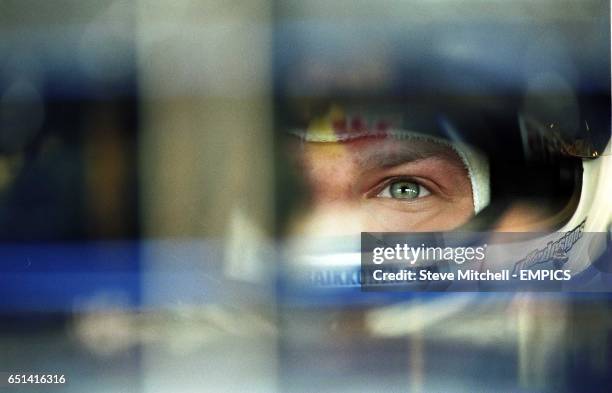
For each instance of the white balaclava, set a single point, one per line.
(323, 131)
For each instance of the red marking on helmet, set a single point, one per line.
(339, 126)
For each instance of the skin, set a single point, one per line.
(347, 181)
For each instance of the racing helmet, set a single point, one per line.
(516, 94)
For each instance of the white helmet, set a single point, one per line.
(523, 102)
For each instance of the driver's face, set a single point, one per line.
(382, 184)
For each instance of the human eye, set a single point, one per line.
(403, 189)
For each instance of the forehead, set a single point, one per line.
(378, 152)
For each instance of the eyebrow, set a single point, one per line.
(407, 151)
